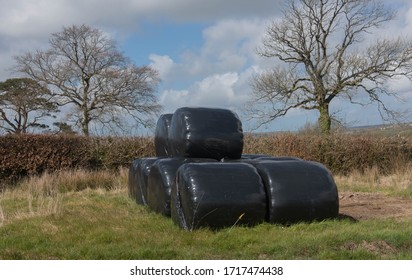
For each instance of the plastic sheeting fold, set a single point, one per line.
(298, 191)
(217, 195)
(162, 176)
(161, 135)
(259, 158)
(205, 133)
(132, 179)
(138, 178)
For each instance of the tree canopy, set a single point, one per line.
(24, 103)
(318, 45)
(83, 68)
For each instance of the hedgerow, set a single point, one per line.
(28, 155)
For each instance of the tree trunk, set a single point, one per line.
(85, 129)
(85, 122)
(86, 116)
(324, 118)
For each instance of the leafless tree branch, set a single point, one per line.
(315, 39)
(84, 68)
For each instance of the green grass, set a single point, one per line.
(44, 222)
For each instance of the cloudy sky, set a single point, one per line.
(204, 50)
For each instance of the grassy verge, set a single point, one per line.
(83, 215)
(397, 184)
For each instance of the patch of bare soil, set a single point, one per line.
(364, 206)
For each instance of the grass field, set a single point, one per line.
(88, 215)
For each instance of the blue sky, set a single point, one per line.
(204, 50)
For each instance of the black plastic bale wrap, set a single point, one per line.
(298, 191)
(162, 176)
(161, 135)
(252, 156)
(132, 179)
(141, 169)
(252, 159)
(217, 195)
(280, 158)
(205, 133)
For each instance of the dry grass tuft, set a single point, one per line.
(2, 218)
(75, 180)
(398, 183)
(44, 195)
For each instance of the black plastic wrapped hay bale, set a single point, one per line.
(161, 135)
(138, 177)
(132, 179)
(217, 195)
(205, 133)
(162, 176)
(298, 191)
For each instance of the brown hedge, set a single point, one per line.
(113, 152)
(27, 155)
(341, 153)
(34, 154)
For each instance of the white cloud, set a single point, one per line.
(28, 25)
(216, 90)
(23, 17)
(173, 99)
(220, 71)
(213, 91)
(228, 46)
(207, 10)
(162, 63)
(5, 59)
(218, 74)
(401, 86)
(34, 19)
(233, 42)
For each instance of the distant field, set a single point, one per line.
(404, 130)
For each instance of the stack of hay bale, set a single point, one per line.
(200, 178)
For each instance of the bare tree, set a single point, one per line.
(316, 42)
(24, 103)
(84, 68)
